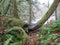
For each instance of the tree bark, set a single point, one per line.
(46, 16)
(15, 11)
(7, 8)
(30, 11)
(56, 14)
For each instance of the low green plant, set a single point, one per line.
(47, 36)
(8, 40)
(12, 36)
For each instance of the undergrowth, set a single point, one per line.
(47, 36)
(15, 34)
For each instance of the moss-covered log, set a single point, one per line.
(47, 15)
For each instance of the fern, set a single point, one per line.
(8, 40)
(17, 28)
(16, 43)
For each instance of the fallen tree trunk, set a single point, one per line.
(46, 16)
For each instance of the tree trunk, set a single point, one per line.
(47, 15)
(7, 8)
(15, 9)
(30, 11)
(56, 14)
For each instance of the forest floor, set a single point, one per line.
(34, 37)
(35, 40)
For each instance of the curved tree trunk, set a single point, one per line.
(46, 16)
